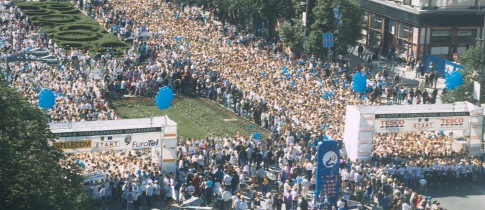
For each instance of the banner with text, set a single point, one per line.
(94, 176)
(412, 122)
(328, 163)
(86, 141)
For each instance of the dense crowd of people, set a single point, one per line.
(299, 100)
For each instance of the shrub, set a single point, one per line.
(57, 18)
(75, 26)
(30, 7)
(37, 12)
(114, 45)
(68, 45)
(76, 35)
(69, 28)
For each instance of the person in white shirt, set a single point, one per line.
(406, 206)
(102, 196)
(423, 183)
(156, 192)
(227, 197)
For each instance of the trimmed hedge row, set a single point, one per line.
(67, 26)
(76, 35)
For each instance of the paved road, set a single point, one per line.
(464, 197)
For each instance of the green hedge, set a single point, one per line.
(57, 18)
(68, 27)
(37, 12)
(71, 12)
(76, 35)
(67, 45)
(86, 27)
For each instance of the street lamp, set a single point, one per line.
(18, 57)
(161, 154)
(304, 6)
(479, 66)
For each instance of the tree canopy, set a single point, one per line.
(464, 92)
(30, 173)
(340, 17)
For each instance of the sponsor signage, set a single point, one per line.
(73, 145)
(109, 132)
(365, 141)
(420, 124)
(94, 176)
(368, 117)
(108, 140)
(417, 115)
(328, 164)
(367, 130)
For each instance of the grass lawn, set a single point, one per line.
(195, 117)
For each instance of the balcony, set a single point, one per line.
(429, 5)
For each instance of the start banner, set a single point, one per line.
(108, 140)
(384, 125)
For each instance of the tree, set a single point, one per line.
(292, 35)
(340, 17)
(271, 10)
(30, 173)
(464, 92)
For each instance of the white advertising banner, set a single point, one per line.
(365, 143)
(421, 122)
(94, 176)
(121, 139)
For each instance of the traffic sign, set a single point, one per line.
(327, 40)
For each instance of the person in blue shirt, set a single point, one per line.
(384, 202)
(367, 198)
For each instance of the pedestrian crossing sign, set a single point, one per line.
(327, 40)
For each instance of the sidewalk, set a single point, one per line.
(407, 76)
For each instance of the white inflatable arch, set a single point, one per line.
(361, 122)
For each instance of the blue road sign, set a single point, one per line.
(327, 40)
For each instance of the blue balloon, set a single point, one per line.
(250, 126)
(46, 99)
(453, 80)
(164, 97)
(284, 70)
(256, 135)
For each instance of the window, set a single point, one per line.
(376, 22)
(404, 31)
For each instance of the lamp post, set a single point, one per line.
(15, 58)
(161, 156)
(304, 6)
(479, 65)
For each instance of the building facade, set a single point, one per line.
(419, 27)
